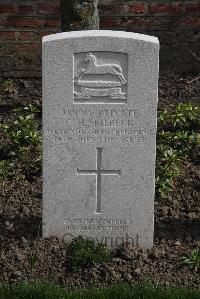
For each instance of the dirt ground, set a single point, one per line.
(24, 254)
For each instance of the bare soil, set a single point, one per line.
(24, 254)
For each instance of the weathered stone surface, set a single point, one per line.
(99, 123)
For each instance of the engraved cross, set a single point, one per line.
(98, 172)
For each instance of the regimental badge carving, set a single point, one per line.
(100, 77)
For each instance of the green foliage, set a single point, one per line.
(193, 259)
(44, 290)
(182, 141)
(5, 168)
(22, 136)
(33, 259)
(8, 86)
(166, 169)
(22, 132)
(32, 166)
(85, 253)
(178, 138)
(28, 109)
(185, 116)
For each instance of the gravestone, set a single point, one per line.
(99, 126)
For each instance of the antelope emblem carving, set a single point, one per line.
(93, 68)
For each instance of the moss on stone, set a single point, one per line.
(79, 15)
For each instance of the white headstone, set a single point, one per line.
(99, 122)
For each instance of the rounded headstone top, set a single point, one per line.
(100, 33)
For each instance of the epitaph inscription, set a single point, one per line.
(98, 172)
(100, 77)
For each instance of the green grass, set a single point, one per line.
(85, 253)
(193, 259)
(51, 291)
